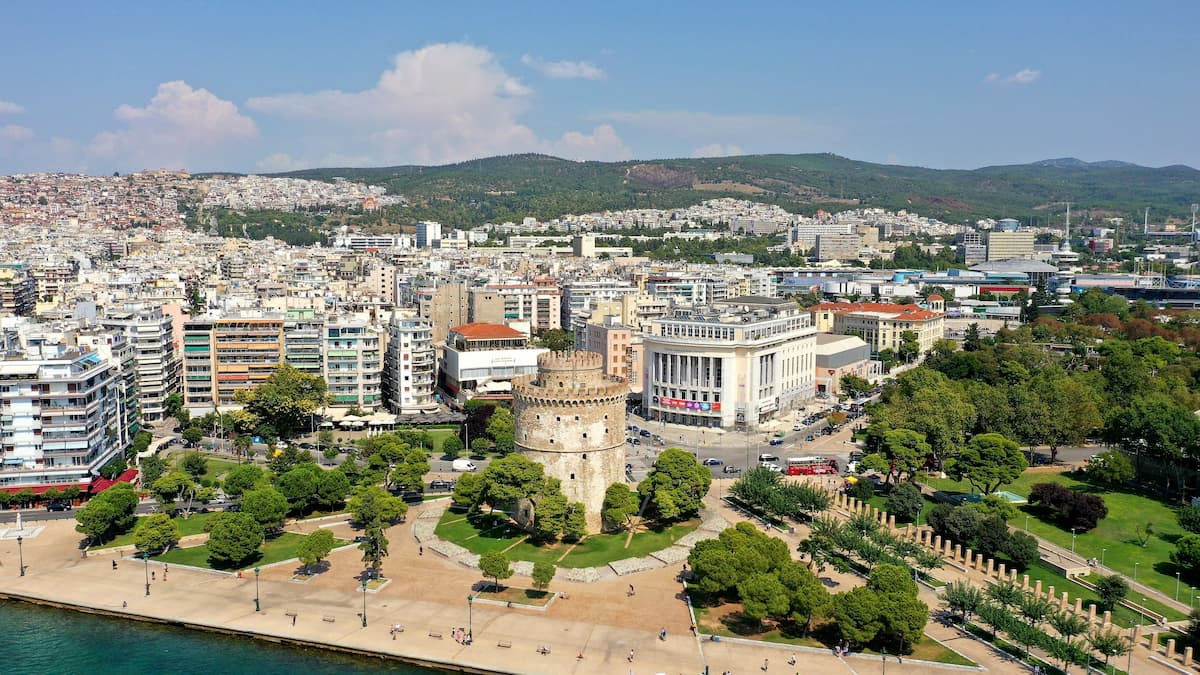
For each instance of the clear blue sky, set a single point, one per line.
(253, 86)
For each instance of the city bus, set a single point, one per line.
(811, 466)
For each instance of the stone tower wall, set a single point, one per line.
(570, 417)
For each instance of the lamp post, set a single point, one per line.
(1142, 610)
(1072, 539)
(257, 605)
(470, 616)
(364, 591)
(1026, 523)
(1135, 571)
(146, 566)
(20, 554)
(1177, 587)
(884, 656)
(1102, 552)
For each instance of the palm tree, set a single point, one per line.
(964, 598)
(1108, 643)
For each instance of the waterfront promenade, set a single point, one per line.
(427, 594)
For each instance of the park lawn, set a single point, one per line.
(194, 524)
(601, 549)
(517, 596)
(274, 549)
(485, 535)
(880, 502)
(217, 468)
(1114, 539)
(1122, 616)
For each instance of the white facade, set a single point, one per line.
(733, 370)
(60, 416)
(409, 365)
(486, 371)
(150, 332)
(353, 364)
(427, 233)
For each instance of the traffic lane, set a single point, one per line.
(30, 516)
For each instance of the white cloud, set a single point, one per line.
(718, 150)
(279, 162)
(603, 144)
(10, 108)
(178, 123)
(564, 70)
(442, 103)
(1025, 76)
(14, 133)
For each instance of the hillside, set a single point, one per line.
(496, 189)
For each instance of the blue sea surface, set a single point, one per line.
(36, 640)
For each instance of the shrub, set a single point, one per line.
(956, 523)
(1069, 508)
(1189, 518)
(1021, 549)
(905, 502)
(862, 489)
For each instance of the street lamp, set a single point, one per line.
(1102, 551)
(146, 565)
(884, 656)
(1135, 571)
(1026, 523)
(257, 606)
(1072, 540)
(1177, 587)
(20, 554)
(364, 590)
(470, 616)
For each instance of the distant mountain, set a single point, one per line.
(511, 187)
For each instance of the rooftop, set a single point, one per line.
(882, 309)
(487, 331)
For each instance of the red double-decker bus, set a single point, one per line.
(811, 466)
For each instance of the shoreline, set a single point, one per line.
(249, 635)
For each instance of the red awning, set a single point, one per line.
(100, 484)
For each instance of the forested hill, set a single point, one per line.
(511, 187)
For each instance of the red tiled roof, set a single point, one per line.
(487, 331)
(98, 485)
(101, 484)
(936, 296)
(899, 311)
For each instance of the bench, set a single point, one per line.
(436, 635)
(543, 650)
(504, 643)
(328, 619)
(291, 614)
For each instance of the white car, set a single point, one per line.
(772, 467)
(797, 427)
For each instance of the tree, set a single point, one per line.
(479, 446)
(108, 513)
(285, 399)
(173, 403)
(468, 490)
(575, 525)
(713, 568)
(1070, 508)
(543, 573)
(315, 547)
(243, 444)
(332, 488)
(1021, 549)
(620, 506)
(152, 467)
(1067, 624)
(453, 446)
(233, 538)
(193, 435)
(325, 437)
(511, 478)
(373, 507)
(988, 462)
(1189, 518)
(375, 548)
(1110, 467)
(963, 597)
(763, 595)
(299, 486)
(676, 486)
(807, 596)
(1108, 644)
(175, 485)
(478, 411)
(905, 502)
(1187, 553)
(857, 615)
(956, 523)
(195, 464)
(113, 468)
(556, 339)
(502, 427)
(971, 340)
(854, 386)
(267, 506)
(910, 346)
(242, 478)
(156, 532)
(1112, 590)
(494, 564)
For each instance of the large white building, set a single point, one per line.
(158, 366)
(748, 360)
(428, 233)
(410, 368)
(353, 364)
(480, 360)
(61, 415)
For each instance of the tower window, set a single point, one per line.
(551, 441)
(572, 476)
(585, 434)
(585, 455)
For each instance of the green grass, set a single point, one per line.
(273, 550)
(194, 524)
(1122, 616)
(217, 468)
(517, 596)
(1114, 539)
(485, 534)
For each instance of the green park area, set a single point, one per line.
(488, 533)
(274, 549)
(1115, 539)
(193, 524)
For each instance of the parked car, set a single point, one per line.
(633, 427)
(797, 427)
(58, 506)
(645, 433)
(712, 461)
(234, 508)
(810, 438)
(729, 468)
(768, 457)
(441, 485)
(412, 496)
(776, 441)
(463, 465)
(636, 441)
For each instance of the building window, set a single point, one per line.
(572, 476)
(585, 455)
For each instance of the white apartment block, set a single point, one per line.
(353, 364)
(410, 369)
(61, 415)
(746, 362)
(150, 332)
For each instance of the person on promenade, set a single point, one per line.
(630, 659)
(114, 565)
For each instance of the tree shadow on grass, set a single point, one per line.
(740, 624)
(311, 570)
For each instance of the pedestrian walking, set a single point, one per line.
(153, 576)
(420, 550)
(764, 665)
(630, 659)
(662, 634)
(124, 604)
(293, 619)
(114, 564)
(631, 593)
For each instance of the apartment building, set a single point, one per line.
(881, 325)
(537, 304)
(304, 341)
(428, 233)
(353, 364)
(18, 291)
(837, 246)
(480, 360)
(734, 366)
(579, 297)
(151, 335)
(1006, 245)
(410, 366)
(223, 355)
(61, 414)
(444, 306)
(619, 347)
